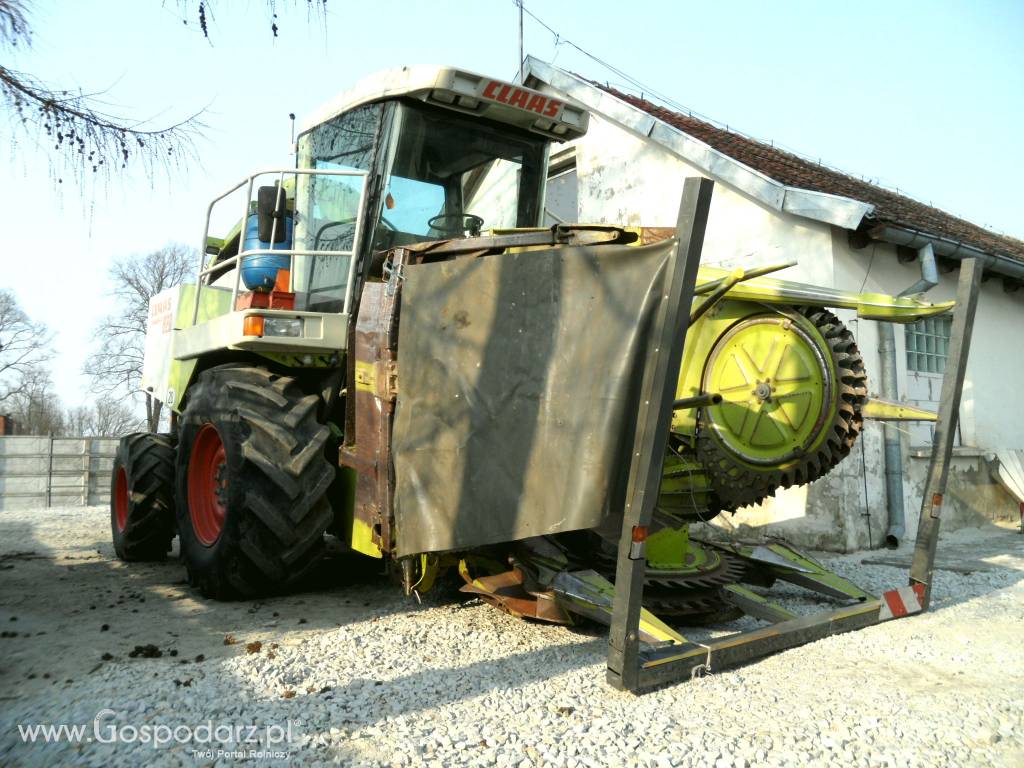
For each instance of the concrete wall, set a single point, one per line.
(626, 179)
(41, 472)
(973, 497)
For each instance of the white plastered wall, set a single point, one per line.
(629, 180)
(988, 419)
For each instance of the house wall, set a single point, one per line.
(989, 421)
(628, 180)
(989, 418)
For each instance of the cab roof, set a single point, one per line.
(465, 92)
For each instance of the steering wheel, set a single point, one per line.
(457, 224)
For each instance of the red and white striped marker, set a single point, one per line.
(900, 602)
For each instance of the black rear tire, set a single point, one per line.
(142, 497)
(269, 486)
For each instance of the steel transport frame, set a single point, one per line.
(634, 665)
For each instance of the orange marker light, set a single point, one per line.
(252, 325)
(636, 546)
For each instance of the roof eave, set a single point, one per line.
(910, 237)
(818, 206)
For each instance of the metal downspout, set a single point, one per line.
(929, 272)
(893, 452)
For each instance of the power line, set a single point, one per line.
(632, 81)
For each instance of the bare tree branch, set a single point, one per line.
(34, 408)
(24, 347)
(104, 418)
(202, 12)
(86, 139)
(13, 23)
(121, 337)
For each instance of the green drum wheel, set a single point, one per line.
(792, 386)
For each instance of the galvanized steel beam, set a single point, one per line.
(661, 373)
(923, 565)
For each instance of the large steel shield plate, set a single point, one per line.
(518, 378)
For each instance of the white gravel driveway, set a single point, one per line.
(354, 673)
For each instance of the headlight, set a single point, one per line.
(282, 326)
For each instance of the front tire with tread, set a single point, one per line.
(274, 486)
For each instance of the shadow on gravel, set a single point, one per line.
(969, 563)
(101, 603)
(965, 552)
(73, 615)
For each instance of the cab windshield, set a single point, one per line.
(455, 176)
(327, 206)
(444, 175)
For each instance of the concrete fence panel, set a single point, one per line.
(40, 471)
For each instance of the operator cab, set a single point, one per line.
(449, 154)
(406, 156)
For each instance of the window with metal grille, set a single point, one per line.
(928, 344)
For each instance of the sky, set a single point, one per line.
(926, 97)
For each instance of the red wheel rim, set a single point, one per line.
(121, 498)
(207, 485)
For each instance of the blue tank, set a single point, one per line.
(260, 272)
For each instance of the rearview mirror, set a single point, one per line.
(271, 205)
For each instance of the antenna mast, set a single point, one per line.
(521, 78)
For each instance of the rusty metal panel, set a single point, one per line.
(511, 592)
(518, 392)
(372, 390)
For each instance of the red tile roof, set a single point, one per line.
(794, 171)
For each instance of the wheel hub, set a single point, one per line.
(207, 485)
(220, 482)
(776, 389)
(121, 498)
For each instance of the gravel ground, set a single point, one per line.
(363, 676)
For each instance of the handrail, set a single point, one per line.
(236, 260)
(268, 252)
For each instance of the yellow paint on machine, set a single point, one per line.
(366, 376)
(887, 410)
(359, 532)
